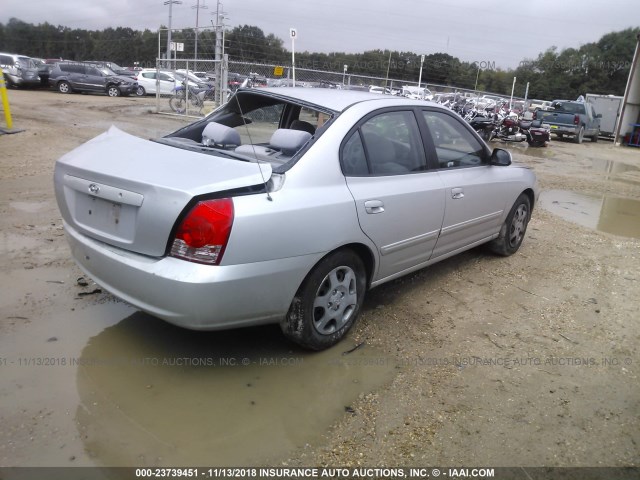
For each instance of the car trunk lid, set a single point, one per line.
(129, 192)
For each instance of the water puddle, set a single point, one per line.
(154, 394)
(615, 215)
(538, 152)
(109, 386)
(617, 170)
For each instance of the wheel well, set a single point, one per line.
(365, 255)
(529, 193)
(367, 258)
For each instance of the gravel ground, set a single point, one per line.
(530, 360)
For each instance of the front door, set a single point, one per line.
(474, 198)
(399, 202)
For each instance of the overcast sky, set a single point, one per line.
(472, 30)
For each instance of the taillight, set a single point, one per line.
(576, 119)
(203, 234)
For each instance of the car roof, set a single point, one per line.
(337, 100)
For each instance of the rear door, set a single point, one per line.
(475, 201)
(95, 80)
(76, 75)
(399, 202)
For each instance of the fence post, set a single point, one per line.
(5, 101)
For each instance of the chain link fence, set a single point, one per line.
(185, 87)
(211, 82)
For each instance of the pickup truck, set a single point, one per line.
(566, 117)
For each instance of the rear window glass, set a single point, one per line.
(569, 107)
(72, 67)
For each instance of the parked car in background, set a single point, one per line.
(417, 93)
(298, 199)
(151, 81)
(535, 104)
(198, 80)
(19, 70)
(43, 70)
(68, 77)
(117, 69)
(567, 117)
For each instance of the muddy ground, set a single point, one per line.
(530, 360)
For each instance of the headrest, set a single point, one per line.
(216, 134)
(302, 125)
(289, 141)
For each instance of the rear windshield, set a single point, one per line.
(254, 127)
(569, 107)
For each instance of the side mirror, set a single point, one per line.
(500, 157)
(599, 115)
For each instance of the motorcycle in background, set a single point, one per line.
(510, 128)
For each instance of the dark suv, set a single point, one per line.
(70, 77)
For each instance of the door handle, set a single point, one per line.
(374, 206)
(457, 193)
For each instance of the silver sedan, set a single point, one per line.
(285, 206)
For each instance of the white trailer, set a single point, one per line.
(609, 106)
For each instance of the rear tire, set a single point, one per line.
(513, 229)
(64, 87)
(140, 91)
(178, 104)
(328, 302)
(579, 136)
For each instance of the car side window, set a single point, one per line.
(455, 145)
(94, 72)
(386, 144)
(72, 68)
(163, 77)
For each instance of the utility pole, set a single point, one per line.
(170, 3)
(197, 6)
(222, 88)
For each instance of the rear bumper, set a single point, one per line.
(565, 129)
(190, 295)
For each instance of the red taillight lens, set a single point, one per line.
(203, 234)
(576, 119)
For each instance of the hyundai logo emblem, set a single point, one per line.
(93, 188)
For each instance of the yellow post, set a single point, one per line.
(5, 101)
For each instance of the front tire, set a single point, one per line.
(513, 229)
(594, 139)
(328, 302)
(113, 91)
